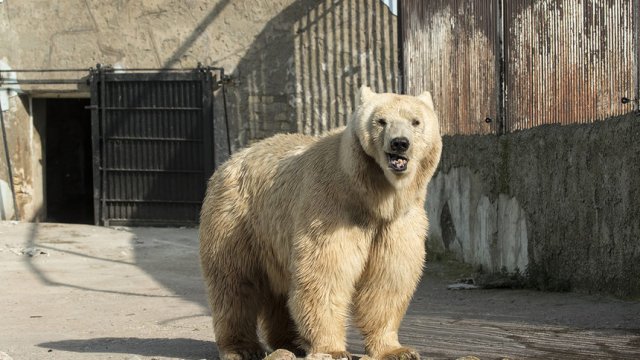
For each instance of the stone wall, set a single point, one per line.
(559, 202)
(295, 65)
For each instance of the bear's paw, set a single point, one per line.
(402, 353)
(340, 355)
(244, 355)
(281, 354)
(336, 355)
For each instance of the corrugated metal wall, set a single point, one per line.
(563, 61)
(450, 48)
(339, 45)
(568, 61)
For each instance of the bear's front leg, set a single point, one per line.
(325, 268)
(389, 280)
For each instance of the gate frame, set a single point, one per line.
(98, 77)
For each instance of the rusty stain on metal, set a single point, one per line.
(449, 48)
(568, 61)
(565, 61)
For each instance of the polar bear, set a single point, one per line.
(298, 233)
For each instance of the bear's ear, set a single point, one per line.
(425, 97)
(364, 94)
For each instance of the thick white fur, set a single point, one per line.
(299, 232)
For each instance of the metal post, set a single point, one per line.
(103, 135)
(400, 32)
(502, 86)
(636, 50)
(95, 144)
(207, 122)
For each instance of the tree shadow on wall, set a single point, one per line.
(303, 70)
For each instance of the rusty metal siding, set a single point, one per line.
(568, 61)
(450, 48)
(558, 61)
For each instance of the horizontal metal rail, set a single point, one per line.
(126, 138)
(148, 108)
(40, 81)
(41, 70)
(14, 81)
(154, 170)
(109, 69)
(155, 201)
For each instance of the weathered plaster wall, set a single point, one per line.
(295, 64)
(25, 155)
(479, 230)
(569, 195)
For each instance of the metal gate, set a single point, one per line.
(152, 136)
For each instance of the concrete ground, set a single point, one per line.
(85, 292)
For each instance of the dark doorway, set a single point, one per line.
(69, 179)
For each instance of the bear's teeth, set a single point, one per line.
(399, 162)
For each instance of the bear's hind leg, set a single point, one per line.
(278, 327)
(234, 284)
(235, 320)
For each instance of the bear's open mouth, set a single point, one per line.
(397, 162)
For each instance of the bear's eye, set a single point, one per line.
(382, 122)
(415, 122)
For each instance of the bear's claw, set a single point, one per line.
(402, 353)
(340, 355)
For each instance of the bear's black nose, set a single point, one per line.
(400, 144)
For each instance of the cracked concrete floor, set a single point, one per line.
(85, 292)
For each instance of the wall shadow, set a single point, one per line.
(167, 255)
(152, 259)
(302, 71)
(167, 348)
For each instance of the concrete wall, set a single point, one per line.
(295, 65)
(26, 158)
(562, 202)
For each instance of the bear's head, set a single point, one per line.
(400, 132)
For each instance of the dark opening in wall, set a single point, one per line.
(69, 178)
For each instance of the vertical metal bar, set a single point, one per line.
(226, 116)
(213, 127)
(636, 50)
(95, 145)
(103, 128)
(400, 33)
(207, 123)
(501, 70)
